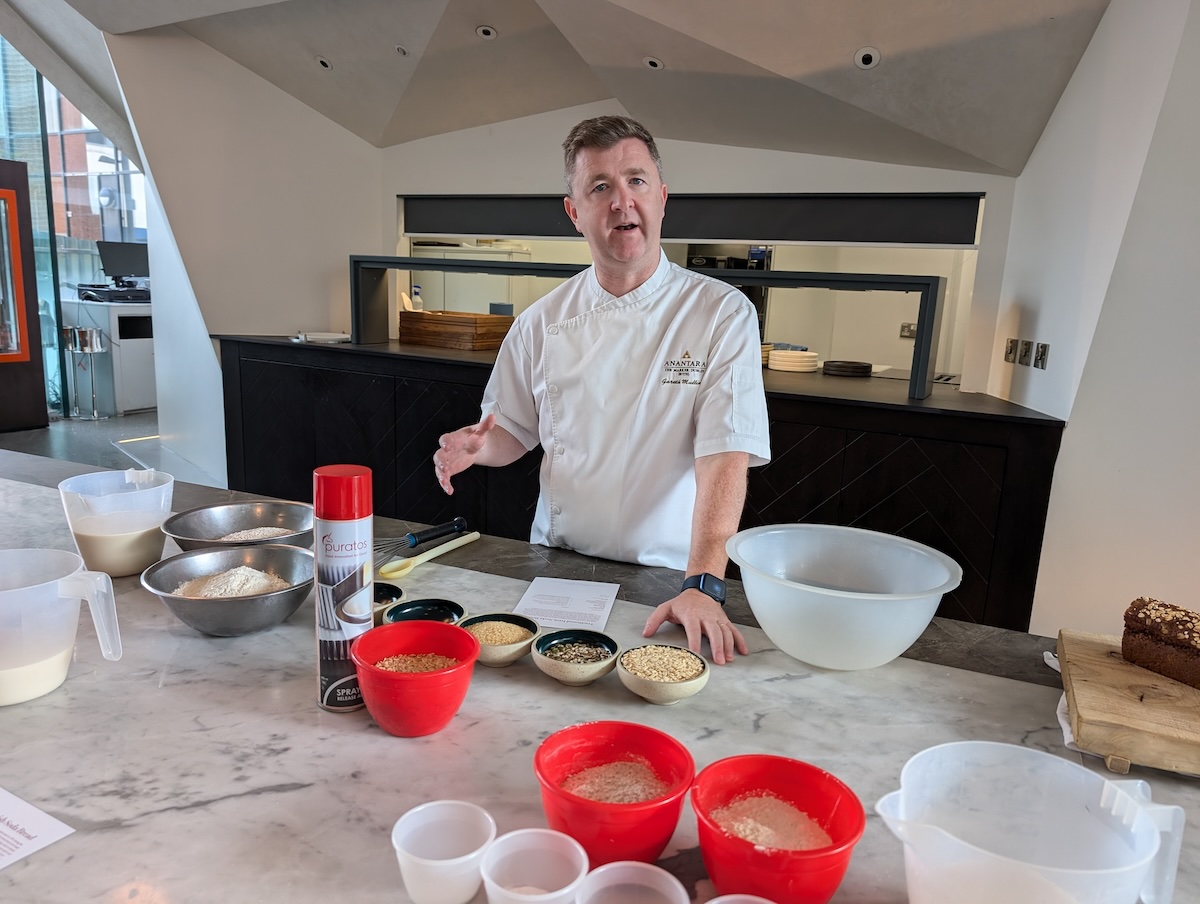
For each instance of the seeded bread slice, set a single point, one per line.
(1163, 638)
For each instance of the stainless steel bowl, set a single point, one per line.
(231, 616)
(202, 528)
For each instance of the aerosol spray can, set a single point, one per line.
(345, 578)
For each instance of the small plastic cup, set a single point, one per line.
(533, 866)
(739, 899)
(440, 846)
(631, 880)
(116, 518)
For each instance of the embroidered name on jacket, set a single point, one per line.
(686, 370)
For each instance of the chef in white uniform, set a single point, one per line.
(642, 383)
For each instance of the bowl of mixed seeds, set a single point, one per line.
(662, 673)
(575, 656)
(231, 524)
(503, 636)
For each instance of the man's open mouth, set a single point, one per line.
(625, 227)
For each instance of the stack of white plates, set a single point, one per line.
(794, 361)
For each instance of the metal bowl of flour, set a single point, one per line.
(229, 616)
(252, 523)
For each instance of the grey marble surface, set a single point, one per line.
(200, 769)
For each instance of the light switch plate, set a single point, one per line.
(1026, 354)
(908, 331)
(1010, 351)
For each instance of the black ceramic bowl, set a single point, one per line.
(574, 674)
(446, 611)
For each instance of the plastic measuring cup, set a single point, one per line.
(40, 590)
(629, 881)
(116, 518)
(533, 866)
(440, 845)
(991, 823)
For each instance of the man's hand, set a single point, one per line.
(457, 451)
(701, 616)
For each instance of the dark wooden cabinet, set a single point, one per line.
(969, 476)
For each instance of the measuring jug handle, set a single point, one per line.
(1160, 884)
(96, 587)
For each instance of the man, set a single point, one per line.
(642, 382)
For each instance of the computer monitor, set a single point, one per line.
(122, 261)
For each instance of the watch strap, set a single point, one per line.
(706, 583)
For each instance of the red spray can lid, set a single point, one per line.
(342, 492)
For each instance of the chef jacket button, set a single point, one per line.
(552, 389)
(555, 510)
(553, 331)
(558, 450)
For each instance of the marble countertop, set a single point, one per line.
(201, 769)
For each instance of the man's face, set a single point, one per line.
(617, 203)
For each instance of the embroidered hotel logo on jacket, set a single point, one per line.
(686, 370)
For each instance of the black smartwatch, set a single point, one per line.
(706, 583)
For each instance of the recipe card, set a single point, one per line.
(561, 603)
(25, 829)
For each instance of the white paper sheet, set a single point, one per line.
(25, 829)
(560, 603)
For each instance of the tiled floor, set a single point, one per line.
(85, 441)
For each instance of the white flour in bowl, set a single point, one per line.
(240, 581)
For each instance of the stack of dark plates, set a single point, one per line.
(847, 368)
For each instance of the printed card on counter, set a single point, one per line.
(25, 829)
(561, 603)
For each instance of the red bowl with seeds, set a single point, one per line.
(414, 675)
(615, 787)
(777, 827)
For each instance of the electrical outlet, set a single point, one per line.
(1010, 351)
(908, 331)
(1040, 352)
(1026, 354)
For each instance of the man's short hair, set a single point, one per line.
(604, 132)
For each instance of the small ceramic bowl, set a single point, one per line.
(446, 611)
(498, 655)
(386, 596)
(662, 658)
(575, 674)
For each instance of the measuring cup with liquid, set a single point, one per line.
(116, 518)
(995, 823)
(40, 591)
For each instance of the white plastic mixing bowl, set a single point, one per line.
(840, 597)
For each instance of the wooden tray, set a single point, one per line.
(1125, 713)
(453, 329)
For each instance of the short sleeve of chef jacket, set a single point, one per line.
(509, 392)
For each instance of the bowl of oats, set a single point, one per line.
(504, 636)
(414, 675)
(575, 656)
(662, 673)
(230, 524)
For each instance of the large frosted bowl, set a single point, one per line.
(840, 597)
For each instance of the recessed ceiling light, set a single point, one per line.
(866, 58)
(325, 64)
(486, 32)
(402, 50)
(653, 63)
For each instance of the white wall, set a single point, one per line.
(1123, 511)
(264, 200)
(1073, 198)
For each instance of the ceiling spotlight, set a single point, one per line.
(402, 50)
(325, 64)
(487, 32)
(653, 63)
(866, 58)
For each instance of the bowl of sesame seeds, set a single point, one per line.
(414, 675)
(503, 637)
(575, 656)
(662, 673)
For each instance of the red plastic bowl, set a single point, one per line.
(737, 866)
(607, 831)
(411, 704)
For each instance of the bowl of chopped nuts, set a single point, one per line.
(662, 673)
(230, 524)
(503, 637)
(615, 787)
(414, 675)
(575, 656)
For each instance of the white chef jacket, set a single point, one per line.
(623, 394)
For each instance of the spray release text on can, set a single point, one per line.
(345, 571)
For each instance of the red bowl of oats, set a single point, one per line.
(775, 827)
(615, 787)
(414, 675)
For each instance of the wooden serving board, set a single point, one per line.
(453, 329)
(1125, 713)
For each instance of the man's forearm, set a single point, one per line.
(720, 496)
(501, 448)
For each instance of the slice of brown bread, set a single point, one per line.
(1163, 638)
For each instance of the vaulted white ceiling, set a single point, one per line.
(959, 84)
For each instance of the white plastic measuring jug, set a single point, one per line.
(116, 517)
(40, 590)
(997, 823)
